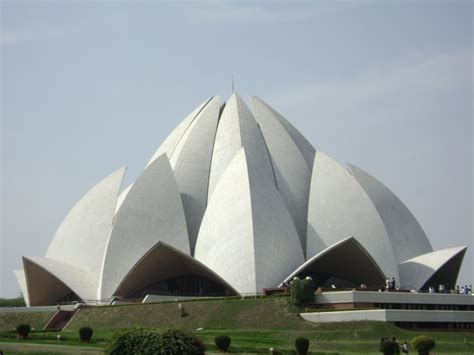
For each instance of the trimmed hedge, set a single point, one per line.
(423, 344)
(302, 291)
(149, 341)
(23, 330)
(302, 345)
(222, 342)
(85, 333)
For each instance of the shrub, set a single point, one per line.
(308, 290)
(222, 342)
(423, 344)
(179, 342)
(85, 333)
(296, 291)
(302, 345)
(302, 291)
(23, 330)
(149, 341)
(388, 347)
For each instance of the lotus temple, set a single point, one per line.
(233, 202)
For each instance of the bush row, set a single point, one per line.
(151, 341)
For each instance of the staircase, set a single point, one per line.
(59, 319)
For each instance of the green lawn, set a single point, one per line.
(254, 325)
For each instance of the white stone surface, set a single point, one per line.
(393, 297)
(405, 233)
(291, 166)
(338, 208)
(174, 137)
(390, 315)
(151, 212)
(238, 128)
(121, 198)
(191, 162)
(82, 237)
(248, 244)
(46, 276)
(21, 278)
(417, 271)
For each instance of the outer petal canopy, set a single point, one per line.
(334, 262)
(432, 269)
(82, 237)
(21, 278)
(152, 211)
(248, 244)
(49, 280)
(163, 262)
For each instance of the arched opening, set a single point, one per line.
(447, 274)
(165, 270)
(45, 289)
(345, 264)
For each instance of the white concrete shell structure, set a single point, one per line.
(231, 203)
(248, 244)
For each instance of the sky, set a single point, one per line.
(89, 86)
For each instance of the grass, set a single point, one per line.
(254, 325)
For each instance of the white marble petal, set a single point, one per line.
(191, 163)
(405, 233)
(21, 278)
(338, 208)
(48, 280)
(82, 237)
(292, 170)
(248, 244)
(238, 128)
(174, 137)
(417, 271)
(151, 212)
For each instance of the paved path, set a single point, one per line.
(55, 349)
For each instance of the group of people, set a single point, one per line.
(395, 345)
(464, 290)
(390, 284)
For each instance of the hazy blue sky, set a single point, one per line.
(89, 86)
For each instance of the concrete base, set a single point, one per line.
(391, 315)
